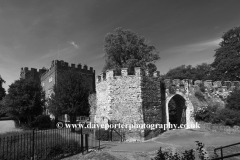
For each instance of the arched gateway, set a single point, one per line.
(178, 107)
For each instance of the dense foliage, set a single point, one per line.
(70, 95)
(42, 122)
(126, 49)
(2, 90)
(227, 117)
(186, 155)
(199, 95)
(24, 101)
(200, 72)
(230, 115)
(233, 100)
(206, 113)
(227, 58)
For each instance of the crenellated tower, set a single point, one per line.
(48, 77)
(33, 73)
(129, 99)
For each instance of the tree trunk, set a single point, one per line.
(29, 118)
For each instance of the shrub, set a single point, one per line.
(227, 116)
(42, 122)
(206, 114)
(233, 100)
(172, 89)
(199, 95)
(186, 155)
(202, 87)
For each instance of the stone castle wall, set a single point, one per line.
(216, 88)
(128, 99)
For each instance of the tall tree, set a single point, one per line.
(25, 100)
(227, 58)
(126, 49)
(2, 90)
(70, 95)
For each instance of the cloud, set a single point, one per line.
(189, 54)
(74, 44)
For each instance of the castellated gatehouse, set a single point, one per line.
(144, 98)
(138, 99)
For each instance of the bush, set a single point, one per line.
(172, 89)
(202, 87)
(206, 114)
(233, 100)
(42, 122)
(186, 155)
(227, 116)
(199, 95)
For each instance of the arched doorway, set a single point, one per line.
(176, 110)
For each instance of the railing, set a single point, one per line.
(228, 156)
(121, 135)
(43, 144)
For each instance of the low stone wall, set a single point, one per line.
(220, 128)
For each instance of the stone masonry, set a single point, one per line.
(128, 99)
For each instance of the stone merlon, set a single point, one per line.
(109, 74)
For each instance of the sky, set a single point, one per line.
(35, 32)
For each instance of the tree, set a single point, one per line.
(126, 49)
(200, 72)
(70, 95)
(227, 58)
(24, 101)
(233, 100)
(181, 72)
(2, 90)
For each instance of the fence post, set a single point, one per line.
(99, 138)
(221, 154)
(33, 147)
(81, 141)
(86, 142)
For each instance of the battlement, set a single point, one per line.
(33, 70)
(216, 84)
(207, 83)
(65, 66)
(111, 74)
